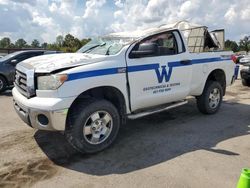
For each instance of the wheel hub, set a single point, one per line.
(214, 98)
(97, 127)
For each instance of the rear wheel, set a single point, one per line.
(3, 84)
(210, 100)
(94, 125)
(245, 82)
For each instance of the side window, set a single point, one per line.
(35, 54)
(28, 55)
(24, 56)
(40, 53)
(165, 44)
(21, 57)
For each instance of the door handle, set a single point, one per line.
(185, 62)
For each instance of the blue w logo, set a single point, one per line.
(164, 74)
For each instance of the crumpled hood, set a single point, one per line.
(52, 62)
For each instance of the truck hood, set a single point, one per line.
(50, 63)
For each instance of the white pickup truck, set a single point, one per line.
(89, 94)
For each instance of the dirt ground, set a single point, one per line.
(178, 148)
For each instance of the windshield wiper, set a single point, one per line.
(94, 47)
(107, 52)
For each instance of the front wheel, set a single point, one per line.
(3, 84)
(245, 82)
(210, 100)
(94, 125)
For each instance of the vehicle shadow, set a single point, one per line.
(154, 139)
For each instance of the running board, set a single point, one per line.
(156, 110)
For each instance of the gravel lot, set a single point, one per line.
(179, 148)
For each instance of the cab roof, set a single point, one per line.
(181, 25)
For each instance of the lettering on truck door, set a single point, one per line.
(160, 77)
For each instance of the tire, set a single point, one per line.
(87, 119)
(3, 84)
(245, 82)
(210, 100)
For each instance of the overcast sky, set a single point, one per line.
(46, 19)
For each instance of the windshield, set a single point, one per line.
(9, 56)
(105, 45)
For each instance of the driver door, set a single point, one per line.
(161, 77)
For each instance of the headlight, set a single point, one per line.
(51, 82)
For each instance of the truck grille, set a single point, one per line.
(21, 83)
(25, 80)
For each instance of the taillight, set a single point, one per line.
(234, 58)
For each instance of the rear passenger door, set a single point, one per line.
(160, 78)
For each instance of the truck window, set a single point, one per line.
(33, 54)
(179, 41)
(21, 57)
(105, 45)
(165, 42)
(26, 55)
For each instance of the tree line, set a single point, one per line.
(242, 45)
(69, 43)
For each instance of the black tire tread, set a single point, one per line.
(202, 102)
(245, 82)
(4, 82)
(72, 133)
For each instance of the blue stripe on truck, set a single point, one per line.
(94, 73)
(136, 68)
(208, 60)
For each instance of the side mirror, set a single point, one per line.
(13, 62)
(146, 49)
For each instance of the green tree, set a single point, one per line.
(245, 43)
(231, 45)
(69, 41)
(71, 44)
(12, 45)
(44, 45)
(59, 41)
(21, 43)
(5, 42)
(35, 43)
(53, 46)
(77, 44)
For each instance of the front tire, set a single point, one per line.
(210, 100)
(245, 82)
(93, 126)
(3, 84)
